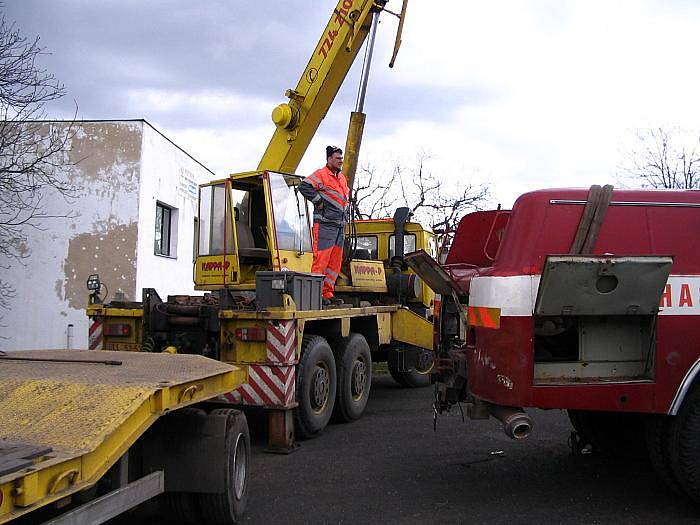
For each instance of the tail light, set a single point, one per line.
(120, 330)
(251, 334)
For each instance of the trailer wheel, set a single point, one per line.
(657, 439)
(228, 507)
(354, 361)
(417, 377)
(181, 507)
(315, 386)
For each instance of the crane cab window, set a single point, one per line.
(409, 244)
(367, 248)
(290, 214)
(216, 223)
(250, 219)
(215, 231)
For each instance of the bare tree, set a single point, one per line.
(661, 159)
(32, 153)
(432, 199)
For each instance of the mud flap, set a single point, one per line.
(190, 446)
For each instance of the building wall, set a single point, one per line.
(169, 177)
(94, 230)
(120, 170)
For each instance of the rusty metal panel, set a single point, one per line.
(431, 272)
(602, 285)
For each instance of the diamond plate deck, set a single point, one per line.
(72, 405)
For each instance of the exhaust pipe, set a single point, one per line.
(516, 423)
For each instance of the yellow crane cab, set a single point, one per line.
(258, 221)
(251, 222)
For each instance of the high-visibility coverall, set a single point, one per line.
(328, 192)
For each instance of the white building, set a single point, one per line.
(132, 223)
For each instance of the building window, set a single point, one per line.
(166, 230)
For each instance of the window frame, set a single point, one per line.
(393, 237)
(376, 249)
(166, 245)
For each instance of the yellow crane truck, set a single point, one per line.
(87, 435)
(262, 310)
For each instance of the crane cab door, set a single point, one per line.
(217, 262)
(289, 222)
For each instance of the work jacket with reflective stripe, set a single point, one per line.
(329, 194)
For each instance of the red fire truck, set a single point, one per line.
(584, 300)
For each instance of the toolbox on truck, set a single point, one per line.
(304, 288)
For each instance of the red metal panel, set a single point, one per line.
(501, 363)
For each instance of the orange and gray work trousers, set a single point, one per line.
(328, 253)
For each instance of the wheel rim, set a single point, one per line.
(240, 467)
(358, 379)
(425, 362)
(320, 388)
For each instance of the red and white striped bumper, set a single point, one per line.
(95, 337)
(272, 383)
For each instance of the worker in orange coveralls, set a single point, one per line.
(327, 189)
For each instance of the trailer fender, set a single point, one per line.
(190, 446)
(688, 381)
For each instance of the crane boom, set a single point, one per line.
(296, 121)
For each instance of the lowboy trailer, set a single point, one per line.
(87, 435)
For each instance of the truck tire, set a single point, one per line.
(354, 361)
(657, 439)
(619, 433)
(415, 378)
(181, 507)
(683, 445)
(315, 386)
(228, 507)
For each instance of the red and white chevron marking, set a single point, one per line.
(268, 386)
(282, 341)
(95, 334)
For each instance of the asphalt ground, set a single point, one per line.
(390, 467)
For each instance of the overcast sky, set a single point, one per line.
(523, 95)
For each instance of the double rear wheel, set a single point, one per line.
(330, 382)
(193, 436)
